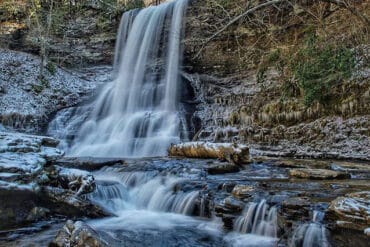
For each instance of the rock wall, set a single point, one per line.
(240, 98)
(81, 34)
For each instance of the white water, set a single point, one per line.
(258, 219)
(118, 192)
(312, 234)
(137, 114)
(151, 202)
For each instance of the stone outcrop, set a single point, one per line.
(235, 153)
(351, 211)
(241, 98)
(317, 174)
(37, 98)
(31, 188)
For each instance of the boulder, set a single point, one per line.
(242, 191)
(234, 153)
(222, 169)
(78, 234)
(317, 174)
(351, 211)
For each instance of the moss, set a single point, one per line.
(37, 88)
(51, 68)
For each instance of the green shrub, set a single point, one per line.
(317, 68)
(51, 68)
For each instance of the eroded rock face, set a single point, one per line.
(240, 99)
(31, 188)
(317, 174)
(36, 99)
(25, 155)
(352, 211)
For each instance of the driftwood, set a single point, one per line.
(231, 152)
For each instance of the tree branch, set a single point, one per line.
(345, 4)
(235, 20)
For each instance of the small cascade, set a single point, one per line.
(111, 196)
(142, 191)
(258, 219)
(312, 234)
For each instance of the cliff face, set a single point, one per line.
(271, 79)
(80, 34)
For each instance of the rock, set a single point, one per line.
(37, 213)
(25, 155)
(317, 174)
(296, 203)
(87, 163)
(351, 211)
(222, 168)
(235, 153)
(37, 99)
(242, 191)
(82, 182)
(233, 204)
(68, 203)
(31, 188)
(78, 234)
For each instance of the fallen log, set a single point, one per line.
(235, 153)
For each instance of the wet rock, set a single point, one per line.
(88, 163)
(296, 208)
(233, 204)
(79, 181)
(296, 203)
(37, 213)
(68, 203)
(24, 156)
(222, 169)
(227, 186)
(351, 211)
(242, 191)
(234, 153)
(78, 234)
(318, 174)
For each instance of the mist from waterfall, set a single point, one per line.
(137, 115)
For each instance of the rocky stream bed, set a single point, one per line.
(48, 199)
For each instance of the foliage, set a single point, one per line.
(134, 4)
(317, 67)
(12, 8)
(51, 68)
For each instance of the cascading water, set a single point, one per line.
(137, 114)
(117, 192)
(258, 219)
(312, 234)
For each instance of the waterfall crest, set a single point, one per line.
(136, 115)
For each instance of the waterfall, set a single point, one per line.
(117, 192)
(258, 219)
(137, 114)
(312, 234)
